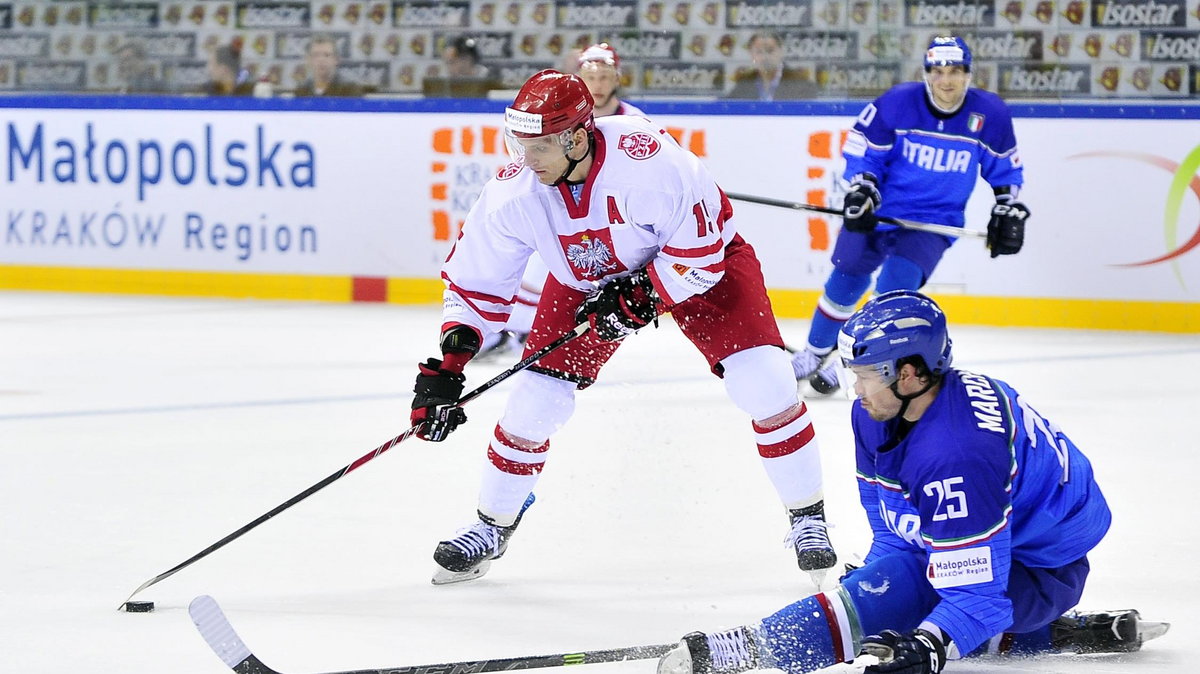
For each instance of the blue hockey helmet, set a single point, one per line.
(892, 326)
(947, 50)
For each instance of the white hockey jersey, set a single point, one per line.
(646, 202)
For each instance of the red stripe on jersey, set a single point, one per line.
(704, 251)
(660, 287)
(789, 445)
(494, 316)
(471, 294)
(715, 268)
(835, 630)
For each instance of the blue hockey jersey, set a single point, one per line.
(927, 162)
(980, 480)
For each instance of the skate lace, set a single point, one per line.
(829, 372)
(730, 651)
(478, 539)
(808, 532)
(805, 363)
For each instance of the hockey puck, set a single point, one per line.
(139, 606)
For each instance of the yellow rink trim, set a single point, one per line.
(1034, 312)
(1179, 317)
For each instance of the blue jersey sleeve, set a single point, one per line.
(999, 161)
(883, 539)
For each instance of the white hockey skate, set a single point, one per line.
(727, 652)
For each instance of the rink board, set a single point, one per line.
(361, 201)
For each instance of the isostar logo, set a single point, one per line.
(1185, 178)
(294, 44)
(123, 15)
(1174, 46)
(169, 45)
(25, 45)
(59, 75)
(465, 158)
(1045, 80)
(593, 15)
(832, 45)
(491, 46)
(944, 13)
(859, 79)
(768, 14)
(1003, 45)
(513, 75)
(368, 74)
(638, 145)
(590, 254)
(1149, 13)
(684, 77)
(273, 15)
(654, 45)
(454, 14)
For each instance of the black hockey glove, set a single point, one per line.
(621, 307)
(435, 409)
(863, 199)
(1006, 229)
(918, 652)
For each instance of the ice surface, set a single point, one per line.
(135, 432)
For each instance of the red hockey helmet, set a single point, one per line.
(550, 102)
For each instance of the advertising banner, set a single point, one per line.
(1115, 202)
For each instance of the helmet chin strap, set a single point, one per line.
(906, 399)
(572, 163)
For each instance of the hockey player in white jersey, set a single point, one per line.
(600, 69)
(630, 226)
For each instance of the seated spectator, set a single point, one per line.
(770, 80)
(322, 61)
(225, 74)
(600, 69)
(463, 75)
(136, 74)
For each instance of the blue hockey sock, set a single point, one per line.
(899, 273)
(842, 292)
(815, 632)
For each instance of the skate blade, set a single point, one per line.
(818, 577)
(445, 577)
(678, 660)
(1149, 630)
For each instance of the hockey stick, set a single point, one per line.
(944, 230)
(228, 646)
(341, 472)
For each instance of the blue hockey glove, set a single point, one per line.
(1006, 229)
(435, 409)
(860, 204)
(621, 307)
(918, 652)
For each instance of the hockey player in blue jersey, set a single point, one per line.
(916, 153)
(982, 513)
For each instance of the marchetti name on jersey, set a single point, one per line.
(768, 13)
(453, 14)
(956, 568)
(591, 15)
(260, 14)
(690, 78)
(646, 45)
(123, 15)
(1133, 13)
(940, 13)
(1003, 45)
(1173, 46)
(1045, 80)
(25, 45)
(831, 45)
(53, 75)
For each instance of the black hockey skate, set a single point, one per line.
(469, 554)
(824, 382)
(809, 537)
(727, 652)
(1121, 631)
